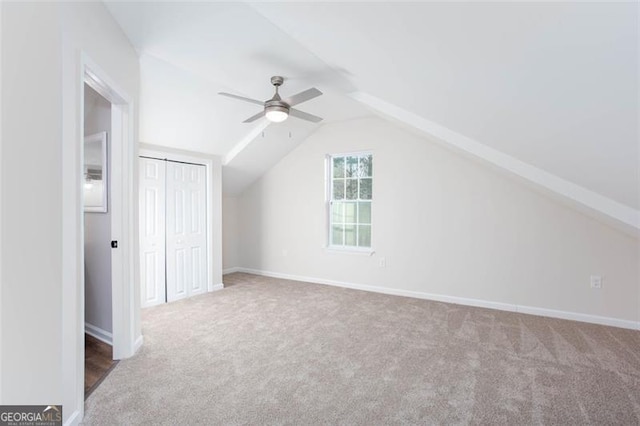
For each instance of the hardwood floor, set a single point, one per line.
(98, 363)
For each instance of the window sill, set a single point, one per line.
(350, 250)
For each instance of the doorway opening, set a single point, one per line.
(96, 189)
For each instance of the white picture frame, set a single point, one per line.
(95, 173)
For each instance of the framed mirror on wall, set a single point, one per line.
(95, 173)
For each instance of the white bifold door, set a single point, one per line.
(173, 248)
(152, 231)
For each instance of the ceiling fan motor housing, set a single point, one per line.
(276, 105)
(276, 80)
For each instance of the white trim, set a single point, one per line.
(328, 196)
(138, 343)
(510, 307)
(245, 141)
(98, 333)
(627, 217)
(122, 207)
(350, 250)
(638, 159)
(576, 316)
(160, 153)
(231, 270)
(74, 419)
(72, 243)
(217, 287)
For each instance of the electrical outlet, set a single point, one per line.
(382, 262)
(596, 281)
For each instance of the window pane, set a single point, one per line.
(364, 236)
(352, 167)
(352, 189)
(351, 194)
(350, 212)
(338, 189)
(350, 235)
(338, 167)
(337, 234)
(364, 212)
(366, 166)
(337, 212)
(365, 189)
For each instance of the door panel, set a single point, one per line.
(185, 231)
(178, 211)
(177, 277)
(152, 232)
(197, 237)
(195, 209)
(197, 283)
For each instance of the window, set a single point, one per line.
(351, 180)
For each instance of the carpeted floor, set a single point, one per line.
(269, 351)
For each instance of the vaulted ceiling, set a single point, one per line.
(553, 85)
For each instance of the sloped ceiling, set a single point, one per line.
(191, 51)
(554, 85)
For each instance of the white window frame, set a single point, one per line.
(328, 201)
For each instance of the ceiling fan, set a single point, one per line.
(277, 109)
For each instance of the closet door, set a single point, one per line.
(152, 231)
(186, 242)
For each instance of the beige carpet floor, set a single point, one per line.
(269, 351)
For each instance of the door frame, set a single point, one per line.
(118, 177)
(212, 167)
(125, 310)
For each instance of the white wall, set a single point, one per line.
(1, 221)
(97, 227)
(230, 233)
(31, 205)
(42, 45)
(445, 224)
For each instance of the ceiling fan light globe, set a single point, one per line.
(276, 114)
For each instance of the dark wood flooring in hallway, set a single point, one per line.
(98, 362)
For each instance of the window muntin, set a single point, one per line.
(351, 190)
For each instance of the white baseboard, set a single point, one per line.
(214, 287)
(138, 343)
(231, 270)
(531, 310)
(98, 333)
(74, 419)
(576, 316)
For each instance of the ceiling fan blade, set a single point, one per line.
(303, 96)
(304, 115)
(254, 117)
(242, 98)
